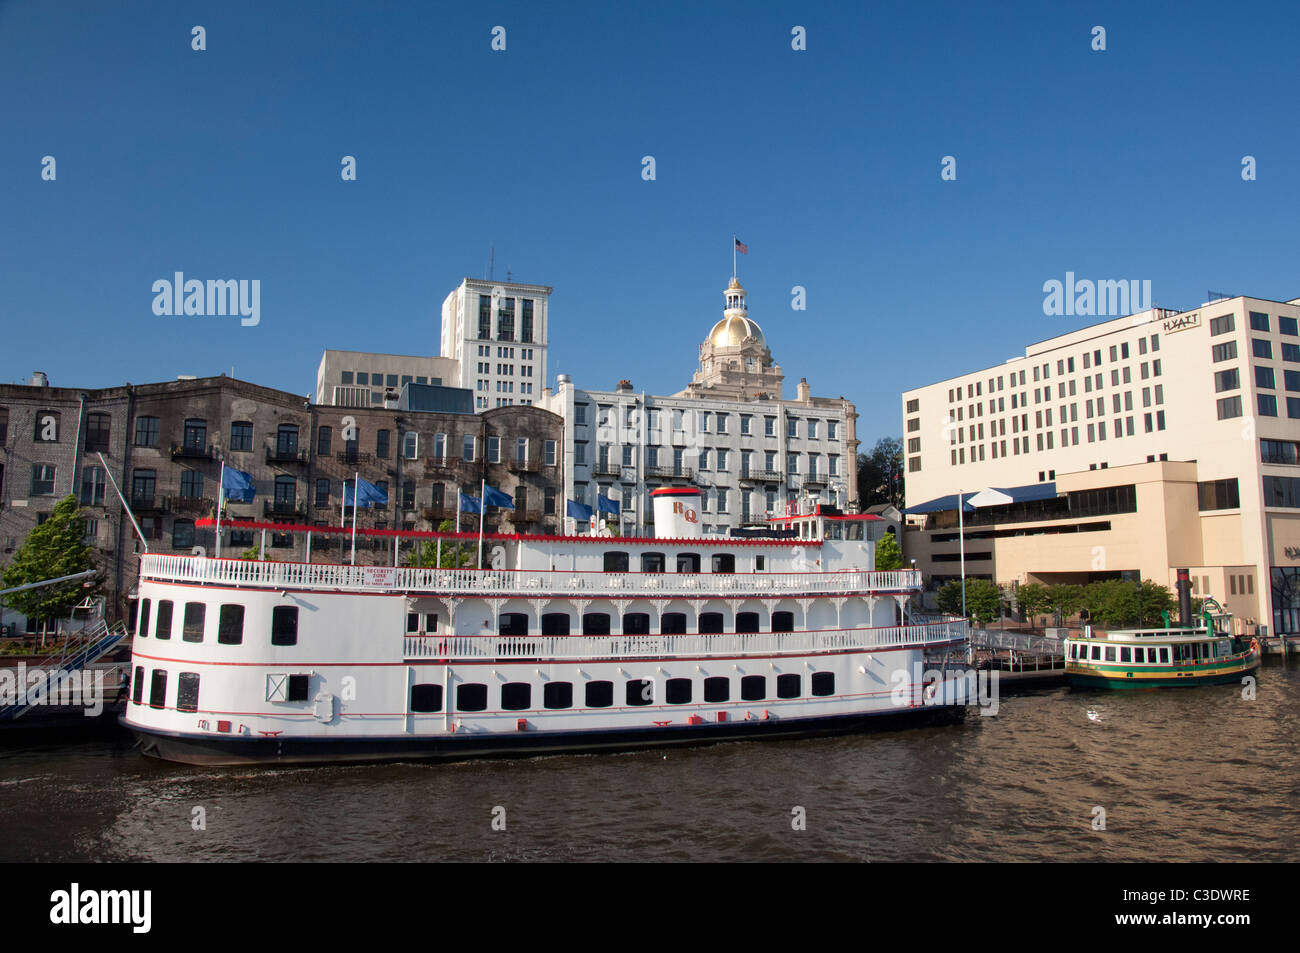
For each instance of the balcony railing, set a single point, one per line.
(728, 645)
(285, 455)
(761, 476)
(190, 451)
(608, 468)
(354, 457)
(524, 466)
(189, 504)
(529, 583)
(147, 501)
(671, 473)
(283, 508)
(439, 511)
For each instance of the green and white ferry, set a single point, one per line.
(1207, 654)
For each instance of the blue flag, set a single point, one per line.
(605, 505)
(579, 511)
(494, 497)
(469, 504)
(237, 485)
(367, 494)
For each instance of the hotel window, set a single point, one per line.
(1155, 370)
(1060, 366)
(1225, 352)
(1267, 404)
(1287, 326)
(1142, 346)
(1261, 348)
(1087, 360)
(1258, 321)
(1155, 342)
(1035, 377)
(1114, 377)
(1226, 380)
(1146, 425)
(1128, 374)
(146, 431)
(1264, 378)
(1145, 370)
(1282, 491)
(1222, 325)
(1292, 380)
(1293, 408)
(1229, 407)
(1291, 352)
(1160, 393)
(1113, 350)
(1101, 430)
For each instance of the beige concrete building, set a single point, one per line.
(1132, 447)
(364, 379)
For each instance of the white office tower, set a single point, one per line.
(497, 331)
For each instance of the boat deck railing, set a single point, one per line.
(733, 644)
(530, 583)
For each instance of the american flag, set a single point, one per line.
(742, 247)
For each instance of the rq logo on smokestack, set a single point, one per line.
(1086, 297)
(213, 298)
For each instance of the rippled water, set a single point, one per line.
(1183, 775)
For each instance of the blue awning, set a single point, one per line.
(1014, 494)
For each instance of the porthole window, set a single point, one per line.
(426, 697)
(471, 697)
(717, 689)
(823, 683)
(557, 695)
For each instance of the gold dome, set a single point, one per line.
(732, 331)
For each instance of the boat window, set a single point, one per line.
(640, 691)
(192, 629)
(834, 530)
(1096, 653)
(616, 561)
(158, 689)
(717, 689)
(753, 688)
(789, 686)
(782, 621)
(853, 531)
(556, 623)
(823, 683)
(1125, 654)
(412, 623)
(1110, 653)
(284, 625)
(677, 691)
(513, 623)
(516, 696)
(710, 623)
(724, 562)
(137, 685)
(652, 562)
(600, 694)
(431, 622)
(230, 625)
(1139, 655)
(187, 692)
(636, 623)
(163, 627)
(1164, 654)
(142, 627)
(299, 685)
(688, 562)
(672, 623)
(595, 623)
(426, 697)
(760, 563)
(746, 621)
(558, 694)
(471, 697)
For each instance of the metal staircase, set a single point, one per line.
(88, 646)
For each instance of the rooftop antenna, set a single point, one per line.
(492, 261)
(507, 274)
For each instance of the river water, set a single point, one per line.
(1197, 774)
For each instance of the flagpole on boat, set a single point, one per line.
(221, 492)
(356, 483)
(482, 505)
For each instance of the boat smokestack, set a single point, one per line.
(1184, 597)
(677, 512)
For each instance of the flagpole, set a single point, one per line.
(221, 491)
(356, 483)
(482, 506)
(733, 254)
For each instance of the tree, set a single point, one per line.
(1065, 600)
(889, 555)
(880, 474)
(1115, 602)
(1033, 601)
(55, 548)
(425, 553)
(983, 599)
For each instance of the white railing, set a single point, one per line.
(460, 647)
(525, 582)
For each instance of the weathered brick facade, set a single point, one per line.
(164, 444)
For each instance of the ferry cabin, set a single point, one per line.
(1155, 657)
(562, 643)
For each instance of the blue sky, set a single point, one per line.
(225, 164)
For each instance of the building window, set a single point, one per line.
(1282, 491)
(467, 448)
(1223, 380)
(1267, 404)
(241, 435)
(323, 492)
(92, 486)
(323, 439)
(191, 485)
(410, 445)
(42, 479)
(1258, 321)
(183, 534)
(1229, 407)
(1222, 325)
(1264, 378)
(1261, 348)
(381, 444)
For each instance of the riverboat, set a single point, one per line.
(1208, 654)
(560, 643)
